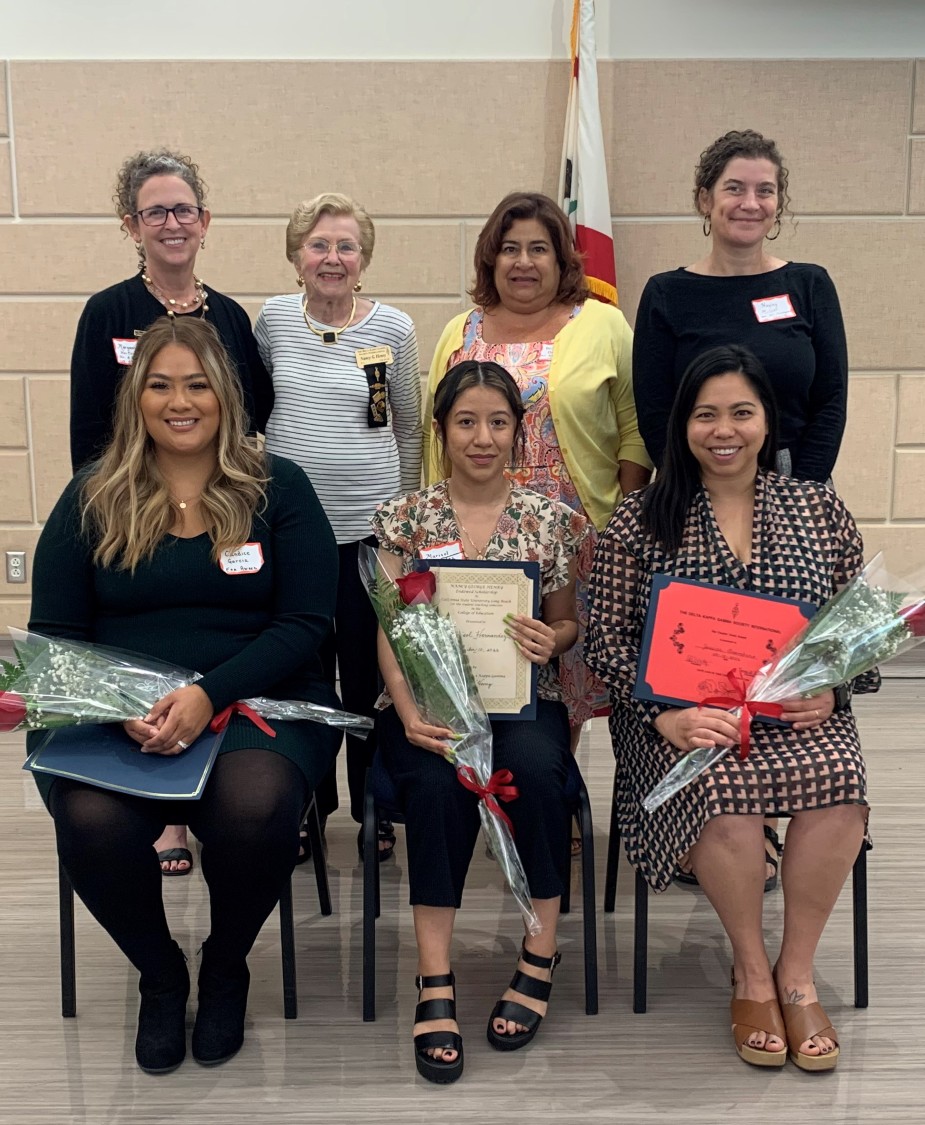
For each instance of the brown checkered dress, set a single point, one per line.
(804, 545)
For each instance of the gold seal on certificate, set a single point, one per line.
(477, 595)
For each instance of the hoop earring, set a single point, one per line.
(358, 287)
(776, 234)
(301, 280)
(707, 226)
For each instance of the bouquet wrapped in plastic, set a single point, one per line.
(58, 683)
(433, 661)
(873, 618)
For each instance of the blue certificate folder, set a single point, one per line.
(102, 754)
(532, 571)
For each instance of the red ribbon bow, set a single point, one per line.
(223, 718)
(750, 707)
(498, 785)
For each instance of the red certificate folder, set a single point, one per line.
(696, 633)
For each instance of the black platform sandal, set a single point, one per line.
(385, 834)
(770, 884)
(437, 1070)
(519, 1013)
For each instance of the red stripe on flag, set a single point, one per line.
(597, 250)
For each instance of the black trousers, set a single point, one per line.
(442, 817)
(247, 821)
(351, 649)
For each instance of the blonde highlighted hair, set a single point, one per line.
(306, 215)
(126, 505)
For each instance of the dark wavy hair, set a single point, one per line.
(462, 377)
(750, 145)
(666, 501)
(528, 205)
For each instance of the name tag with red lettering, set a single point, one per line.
(452, 550)
(246, 559)
(774, 308)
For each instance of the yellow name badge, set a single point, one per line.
(367, 356)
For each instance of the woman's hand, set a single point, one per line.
(805, 714)
(429, 737)
(139, 731)
(693, 728)
(535, 639)
(181, 716)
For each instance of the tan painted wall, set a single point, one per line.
(429, 148)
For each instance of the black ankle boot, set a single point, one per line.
(160, 1045)
(219, 1029)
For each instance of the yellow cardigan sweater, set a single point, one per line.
(590, 399)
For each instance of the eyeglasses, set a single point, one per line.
(320, 246)
(185, 213)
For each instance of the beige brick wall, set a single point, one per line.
(429, 148)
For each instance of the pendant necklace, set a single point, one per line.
(182, 504)
(479, 552)
(328, 335)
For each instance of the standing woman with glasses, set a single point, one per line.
(160, 199)
(346, 381)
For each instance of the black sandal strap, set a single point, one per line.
(446, 1040)
(530, 986)
(540, 962)
(441, 980)
(516, 1013)
(439, 1009)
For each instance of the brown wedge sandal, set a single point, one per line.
(749, 1016)
(803, 1023)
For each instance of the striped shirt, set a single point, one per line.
(319, 417)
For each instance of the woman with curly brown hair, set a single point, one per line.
(570, 357)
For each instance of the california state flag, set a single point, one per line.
(583, 178)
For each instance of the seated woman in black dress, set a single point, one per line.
(477, 418)
(144, 537)
(719, 514)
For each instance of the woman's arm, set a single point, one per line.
(63, 599)
(95, 376)
(405, 405)
(654, 381)
(632, 477)
(556, 631)
(634, 466)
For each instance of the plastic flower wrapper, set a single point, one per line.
(432, 658)
(873, 618)
(56, 683)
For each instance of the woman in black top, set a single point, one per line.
(786, 313)
(151, 539)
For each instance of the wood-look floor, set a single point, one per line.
(674, 1063)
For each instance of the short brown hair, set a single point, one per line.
(748, 144)
(528, 205)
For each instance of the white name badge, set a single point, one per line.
(246, 559)
(773, 308)
(125, 350)
(367, 356)
(453, 550)
(546, 351)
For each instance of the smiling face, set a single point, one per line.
(330, 275)
(727, 428)
(479, 435)
(180, 410)
(743, 203)
(174, 245)
(527, 271)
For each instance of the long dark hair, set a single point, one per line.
(666, 501)
(465, 375)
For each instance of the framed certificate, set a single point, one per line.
(695, 633)
(476, 595)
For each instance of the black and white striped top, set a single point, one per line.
(319, 418)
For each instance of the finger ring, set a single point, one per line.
(183, 745)
(818, 713)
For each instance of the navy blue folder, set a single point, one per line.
(102, 754)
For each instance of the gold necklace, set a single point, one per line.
(172, 305)
(181, 504)
(479, 553)
(328, 335)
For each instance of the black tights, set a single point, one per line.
(247, 821)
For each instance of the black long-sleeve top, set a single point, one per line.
(682, 314)
(121, 313)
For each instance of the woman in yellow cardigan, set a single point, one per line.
(572, 360)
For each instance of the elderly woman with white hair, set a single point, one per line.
(346, 380)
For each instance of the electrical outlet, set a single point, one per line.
(16, 566)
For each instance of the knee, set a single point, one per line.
(731, 831)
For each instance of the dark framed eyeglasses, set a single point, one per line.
(185, 213)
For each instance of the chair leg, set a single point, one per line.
(68, 950)
(613, 856)
(319, 861)
(588, 906)
(370, 904)
(859, 903)
(640, 944)
(287, 949)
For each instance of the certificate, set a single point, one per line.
(696, 633)
(476, 596)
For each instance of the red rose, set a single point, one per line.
(417, 588)
(914, 618)
(12, 711)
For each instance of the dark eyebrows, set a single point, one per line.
(734, 406)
